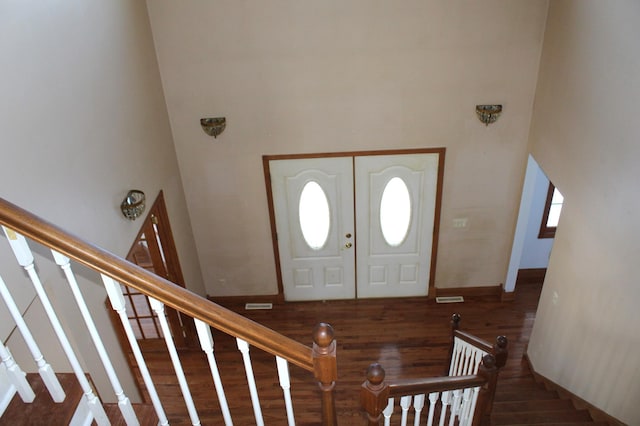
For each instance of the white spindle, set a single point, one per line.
(124, 404)
(243, 347)
(455, 406)
(16, 377)
(433, 400)
(466, 358)
(405, 403)
(444, 399)
(158, 308)
(285, 384)
(206, 343)
(388, 411)
(118, 304)
(465, 407)
(418, 405)
(25, 259)
(44, 369)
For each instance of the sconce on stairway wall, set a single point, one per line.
(133, 204)
(213, 126)
(488, 113)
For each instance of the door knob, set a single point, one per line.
(348, 245)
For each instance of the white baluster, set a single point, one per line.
(474, 400)
(44, 369)
(206, 343)
(405, 403)
(465, 406)
(25, 259)
(158, 308)
(285, 384)
(444, 398)
(124, 404)
(418, 405)
(15, 376)
(118, 304)
(387, 412)
(455, 406)
(433, 400)
(455, 355)
(243, 347)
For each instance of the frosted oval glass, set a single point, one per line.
(395, 212)
(313, 213)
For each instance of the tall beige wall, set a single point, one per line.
(82, 120)
(585, 135)
(308, 77)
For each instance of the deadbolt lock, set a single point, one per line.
(348, 235)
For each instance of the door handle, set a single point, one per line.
(348, 245)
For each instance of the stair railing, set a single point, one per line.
(463, 396)
(319, 359)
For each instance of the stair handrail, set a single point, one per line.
(319, 359)
(88, 254)
(375, 391)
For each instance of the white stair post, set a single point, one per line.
(243, 347)
(285, 384)
(25, 259)
(118, 304)
(206, 343)
(124, 404)
(405, 403)
(433, 400)
(388, 411)
(14, 380)
(44, 369)
(158, 308)
(418, 405)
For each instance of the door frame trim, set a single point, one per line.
(436, 217)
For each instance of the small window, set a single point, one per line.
(395, 212)
(314, 216)
(551, 215)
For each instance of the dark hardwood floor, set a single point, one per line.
(409, 337)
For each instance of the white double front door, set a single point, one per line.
(358, 226)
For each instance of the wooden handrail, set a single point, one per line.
(37, 229)
(375, 392)
(433, 384)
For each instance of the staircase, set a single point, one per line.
(43, 411)
(523, 401)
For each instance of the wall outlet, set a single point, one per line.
(460, 222)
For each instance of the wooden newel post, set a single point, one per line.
(489, 371)
(455, 325)
(500, 351)
(325, 370)
(374, 394)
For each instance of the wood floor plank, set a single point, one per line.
(408, 336)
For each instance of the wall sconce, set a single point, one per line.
(488, 113)
(133, 204)
(213, 126)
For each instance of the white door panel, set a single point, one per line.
(402, 270)
(397, 269)
(327, 272)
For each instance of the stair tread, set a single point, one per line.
(541, 417)
(145, 413)
(41, 410)
(532, 405)
(524, 394)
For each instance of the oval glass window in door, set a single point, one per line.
(395, 212)
(314, 216)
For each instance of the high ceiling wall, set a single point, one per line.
(301, 77)
(585, 134)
